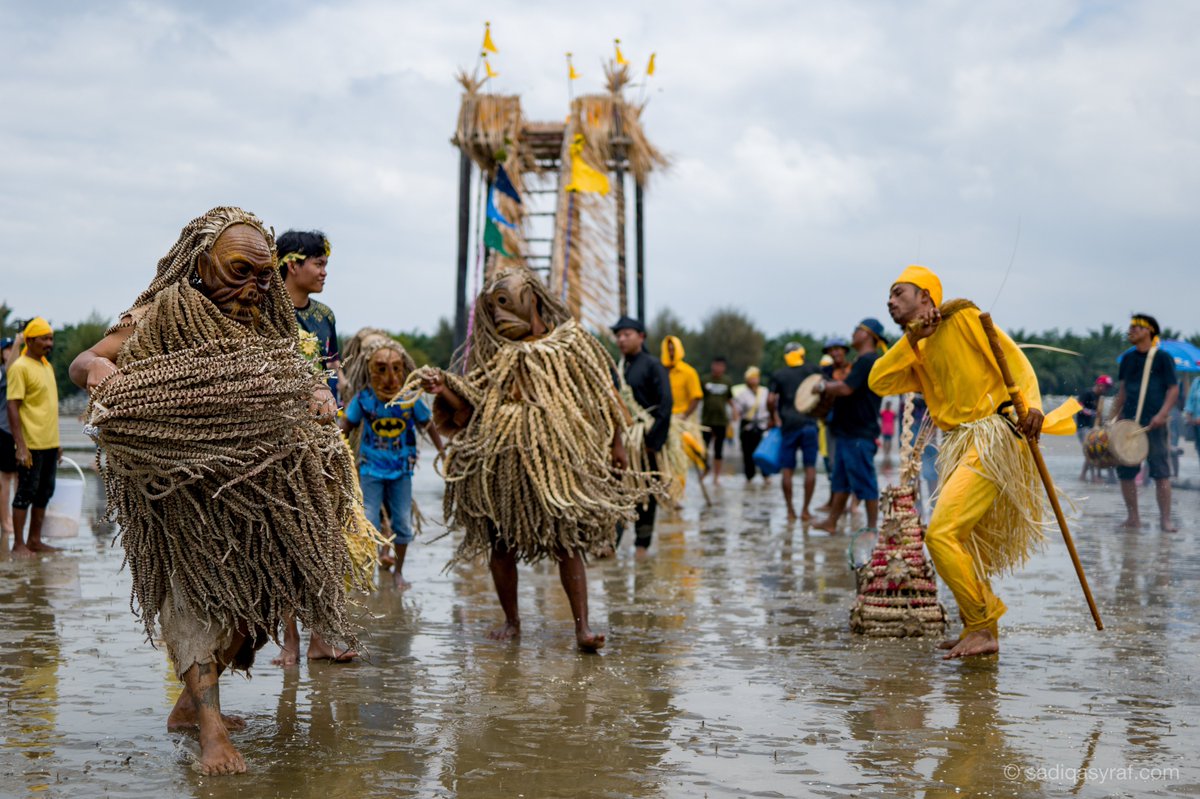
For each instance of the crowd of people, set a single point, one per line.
(550, 448)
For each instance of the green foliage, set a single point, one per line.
(8, 327)
(69, 341)
(667, 323)
(436, 349)
(729, 333)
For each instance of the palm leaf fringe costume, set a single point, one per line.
(531, 470)
(234, 502)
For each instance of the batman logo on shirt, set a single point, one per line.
(389, 427)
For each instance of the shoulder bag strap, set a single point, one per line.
(1137, 417)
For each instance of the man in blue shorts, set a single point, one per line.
(855, 427)
(799, 429)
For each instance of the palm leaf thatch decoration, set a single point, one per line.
(489, 132)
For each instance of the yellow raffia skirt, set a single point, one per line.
(1014, 528)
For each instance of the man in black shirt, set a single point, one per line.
(651, 387)
(854, 428)
(1085, 419)
(1162, 389)
(799, 429)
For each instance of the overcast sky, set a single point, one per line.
(817, 147)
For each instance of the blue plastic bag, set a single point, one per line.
(769, 452)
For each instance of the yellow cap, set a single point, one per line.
(922, 278)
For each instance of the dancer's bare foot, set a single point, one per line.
(974, 644)
(1131, 523)
(791, 514)
(42, 546)
(23, 552)
(217, 756)
(588, 641)
(183, 716)
(806, 515)
(1167, 526)
(827, 524)
(319, 650)
(287, 656)
(505, 632)
(399, 583)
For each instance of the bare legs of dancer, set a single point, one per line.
(810, 485)
(318, 648)
(572, 573)
(27, 547)
(200, 706)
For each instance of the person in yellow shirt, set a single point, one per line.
(989, 511)
(32, 407)
(684, 446)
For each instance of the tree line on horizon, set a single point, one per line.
(726, 332)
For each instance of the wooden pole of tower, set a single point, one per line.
(464, 247)
(640, 245)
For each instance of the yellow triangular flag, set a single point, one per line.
(491, 73)
(584, 177)
(617, 47)
(488, 45)
(571, 73)
(650, 66)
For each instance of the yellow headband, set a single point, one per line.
(752, 371)
(37, 327)
(296, 257)
(922, 278)
(1141, 321)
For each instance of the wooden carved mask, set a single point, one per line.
(515, 309)
(236, 273)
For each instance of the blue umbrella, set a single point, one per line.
(1185, 355)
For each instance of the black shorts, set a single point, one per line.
(35, 485)
(8, 452)
(1159, 458)
(717, 436)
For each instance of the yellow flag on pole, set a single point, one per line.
(488, 45)
(584, 177)
(491, 73)
(650, 66)
(571, 73)
(617, 46)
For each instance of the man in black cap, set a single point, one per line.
(651, 388)
(855, 427)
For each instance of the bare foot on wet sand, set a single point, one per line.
(23, 553)
(641, 553)
(828, 525)
(806, 515)
(505, 632)
(183, 716)
(974, 644)
(287, 657)
(1167, 526)
(319, 650)
(42, 546)
(588, 641)
(217, 757)
(399, 583)
(1131, 523)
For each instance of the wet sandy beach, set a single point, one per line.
(730, 671)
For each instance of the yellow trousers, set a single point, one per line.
(963, 498)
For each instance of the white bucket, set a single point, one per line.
(66, 506)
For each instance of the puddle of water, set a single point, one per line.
(730, 672)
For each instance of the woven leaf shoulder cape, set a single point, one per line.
(532, 468)
(229, 493)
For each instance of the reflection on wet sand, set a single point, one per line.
(730, 672)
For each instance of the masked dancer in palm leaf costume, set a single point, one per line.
(232, 486)
(535, 466)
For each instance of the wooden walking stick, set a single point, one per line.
(1018, 402)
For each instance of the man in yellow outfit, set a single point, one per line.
(988, 516)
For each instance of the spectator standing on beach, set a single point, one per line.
(32, 406)
(753, 417)
(303, 264)
(8, 449)
(1085, 419)
(799, 429)
(887, 429)
(1191, 413)
(714, 412)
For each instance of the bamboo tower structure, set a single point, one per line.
(577, 240)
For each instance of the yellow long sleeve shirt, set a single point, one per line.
(956, 372)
